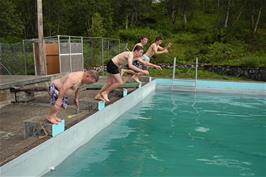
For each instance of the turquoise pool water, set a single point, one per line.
(178, 134)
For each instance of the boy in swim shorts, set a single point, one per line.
(68, 84)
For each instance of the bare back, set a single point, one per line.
(151, 50)
(70, 82)
(122, 58)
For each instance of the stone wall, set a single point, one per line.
(9, 95)
(258, 74)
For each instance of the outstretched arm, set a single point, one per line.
(159, 50)
(130, 65)
(146, 63)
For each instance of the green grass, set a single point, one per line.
(190, 74)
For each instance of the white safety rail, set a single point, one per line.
(174, 67)
(196, 73)
(185, 85)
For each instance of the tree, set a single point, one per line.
(97, 27)
(11, 25)
(183, 8)
(172, 9)
(228, 5)
(55, 18)
(130, 13)
(27, 13)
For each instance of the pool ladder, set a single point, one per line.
(186, 86)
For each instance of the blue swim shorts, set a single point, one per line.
(54, 92)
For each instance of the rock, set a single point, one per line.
(37, 126)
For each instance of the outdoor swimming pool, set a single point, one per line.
(178, 134)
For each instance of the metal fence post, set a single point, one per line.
(108, 52)
(102, 58)
(82, 52)
(25, 58)
(174, 67)
(196, 73)
(59, 53)
(119, 45)
(70, 57)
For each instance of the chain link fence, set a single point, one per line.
(14, 60)
(93, 52)
(97, 51)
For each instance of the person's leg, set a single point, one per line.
(53, 112)
(136, 78)
(117, 82)
(128, 71)
(52, 116)
(129, 77)
(136, 75)
(109, 82)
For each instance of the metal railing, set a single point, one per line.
(18, 58)
(186, 85)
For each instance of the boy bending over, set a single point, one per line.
(68, 84)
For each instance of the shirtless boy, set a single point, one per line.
(155, 48)
(114, 79)
(142, 65)
(68, 84)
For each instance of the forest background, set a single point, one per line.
(218, 32)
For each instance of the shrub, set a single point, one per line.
(132, 34)
(253, 61)
(184, 38)
(220, 52)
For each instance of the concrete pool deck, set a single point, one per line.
(12, 140)
(79, 134)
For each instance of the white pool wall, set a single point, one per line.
(39, 160)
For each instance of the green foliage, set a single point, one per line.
(201, 22)
(220, 52)
(15, 60)
(252, 61)
(92, 52)
(191, 54)
(185, 37)
(196, 28)
(190, 74)
(11, 25)
(133, 34)
(97, 27)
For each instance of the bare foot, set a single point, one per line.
(105, 96)
(52, 120)
(136, 78)
(57, 119)
(99, 97)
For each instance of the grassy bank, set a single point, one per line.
(190, 74)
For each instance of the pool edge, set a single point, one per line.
(39, 160)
